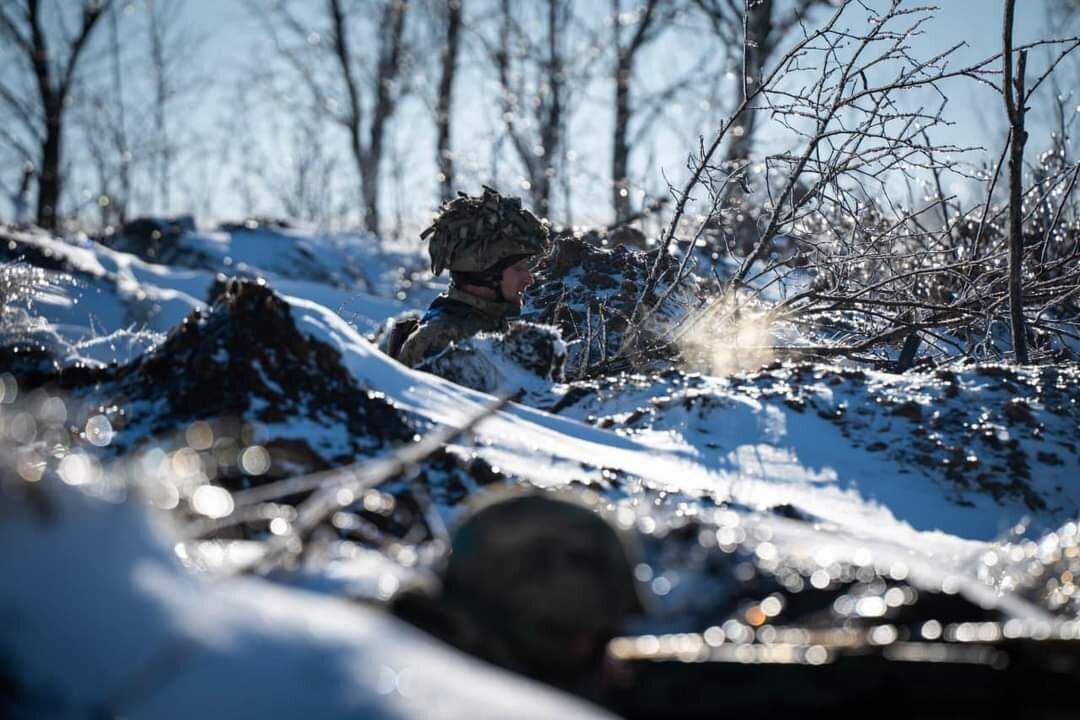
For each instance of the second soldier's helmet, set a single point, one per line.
(536, 581)
(547, 577)
(473, 234)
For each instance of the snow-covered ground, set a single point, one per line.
(826, 463)
(114, 295)
(101, 619)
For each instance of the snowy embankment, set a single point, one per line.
(101, 620)
(747, 452)
(102, 617)
(120, 303)
(817, 465)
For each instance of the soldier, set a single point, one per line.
(486, 242)
(537, 582)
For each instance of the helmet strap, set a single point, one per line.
(490, 278)
(479, 279)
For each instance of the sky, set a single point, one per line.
(220, 186)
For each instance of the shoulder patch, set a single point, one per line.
(447, 309)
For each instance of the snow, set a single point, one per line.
(549, 450)
(764, 458)
(544, 447)
(108, 617)
(109, 622)
(114, 290)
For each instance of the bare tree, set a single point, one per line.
(648, 24)
(306, 189)
(201, 184)
(444, 106)
(104, 142)
(851, 264)
(53, 59)
(128, 145)
(19, 193)
(355, 80)
(120, 132)
(169, 46)
(751, 31)
(534, 75)
(278, 140)
(17, 150)
(387, 68)
(239, 148)
(1015, 108)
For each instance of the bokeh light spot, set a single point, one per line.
(199, 435)
(212, 501)
(255, 460)
(78, 469)
(99, 431)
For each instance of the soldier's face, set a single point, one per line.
(515, 279)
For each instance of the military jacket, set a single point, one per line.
(454, 315)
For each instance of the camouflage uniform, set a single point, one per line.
(454, 315)
(474, 237)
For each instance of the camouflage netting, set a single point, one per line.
(522, 362)
(589, 293)
(473, 233)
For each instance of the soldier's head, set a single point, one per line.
(487, 241)
(547, 575)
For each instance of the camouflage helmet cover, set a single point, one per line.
(473, 233)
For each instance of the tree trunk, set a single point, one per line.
(507, 95)
(539, 151)
(369, 179)
(49, 179)
(354, 118)
(444, 104)
(620, 150)
(390, 49)
(53, 88)
(1014, 106)
(624, 68)
(550, 137)
(757, 46)
(119, 205)
(162, 161)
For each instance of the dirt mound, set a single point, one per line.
(245, 358)
(245, 376)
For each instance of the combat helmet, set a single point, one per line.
(474, 235)
(546, 575)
